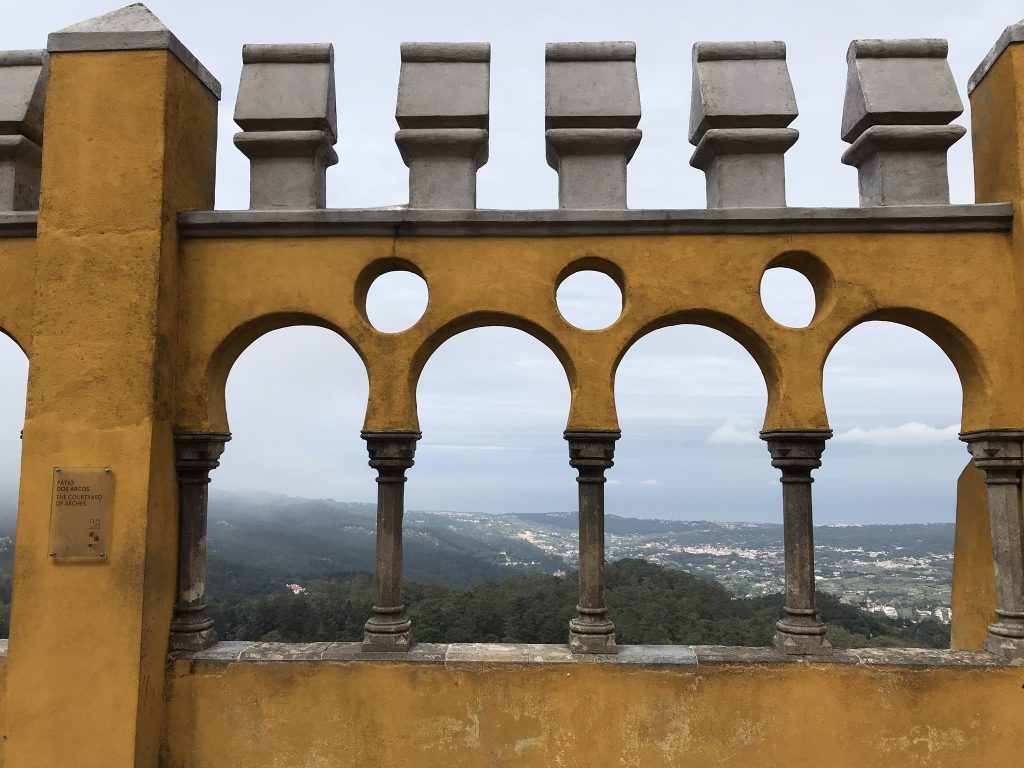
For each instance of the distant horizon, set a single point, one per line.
(566, 512)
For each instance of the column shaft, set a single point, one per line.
(590, 453)
(391, 454)
(797, 453)
(1000, 453)
(196, 454)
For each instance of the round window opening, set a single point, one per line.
(788, 297)
(396, 301)
(589, 300)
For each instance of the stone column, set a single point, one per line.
(1000, 453)
(391, 453)
(590, 453)
(196, 453)
(796, 452)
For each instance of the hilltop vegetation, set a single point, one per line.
(649, 604)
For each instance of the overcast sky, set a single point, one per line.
(493, 402)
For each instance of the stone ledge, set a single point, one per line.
(18, 223)
(401, 221)
(629, 655)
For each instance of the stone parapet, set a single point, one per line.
(592, 107)
(900, 97)
(22, 95)
(742, 105)
(287, 111)
(443, 113)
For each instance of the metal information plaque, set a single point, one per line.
(83, 498)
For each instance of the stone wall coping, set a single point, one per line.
(132, 28)
(399, 220)
(1012, 34)
(231, 652)
(987, 217)
(18, 223)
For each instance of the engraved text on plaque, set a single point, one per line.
(80, 513)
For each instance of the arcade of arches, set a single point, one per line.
(133, 299)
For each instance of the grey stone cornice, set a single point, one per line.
(1012, 34)
(623, 50)
(18, 223)
(132, 28)
(490, 654)
(400, 221)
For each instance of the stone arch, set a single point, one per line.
(485, 319)
(748, 338)
(961, 351)
(235, 343)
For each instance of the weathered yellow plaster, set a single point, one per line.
(129, 143)
(17, 289)
(132, 334)
(974, 580)
(363, 714)
(241, 289)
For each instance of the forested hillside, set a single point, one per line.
(648, 603)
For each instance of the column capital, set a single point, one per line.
(391, 450)
(591, 449)
(796, 449)
(1000, 452)
(198, 452)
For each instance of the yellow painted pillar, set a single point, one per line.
(997, 129)
(130, 141)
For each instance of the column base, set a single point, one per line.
(192, 641)
(592, 637)
(798, 641)
(388, 631)
(1009, 646)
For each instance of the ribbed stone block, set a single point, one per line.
(443, 116)
(22, 93)
(900, 98)
(288, 115)
(592, 108)
(743, 103)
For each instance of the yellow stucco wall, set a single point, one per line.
(974, 581)
(365, 715)
(115, 172)
(240, 289)
(131, 334)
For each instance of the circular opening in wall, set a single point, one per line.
(788, 297)
(589, 300)
(396, 301)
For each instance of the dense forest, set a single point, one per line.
(649, 604)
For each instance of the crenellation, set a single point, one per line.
(900, 99)
(742, 105)
(443, 113)
(23, 76)
(592, 108)
(287, 111)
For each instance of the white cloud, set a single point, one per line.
(649, 482)
(911, 433)
(734, 432)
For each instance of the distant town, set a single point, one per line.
(901, 571)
